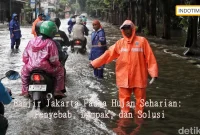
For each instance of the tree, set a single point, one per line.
(82, 4)
(140, 15)
(191, 41)
(152, 17)
(166, 19)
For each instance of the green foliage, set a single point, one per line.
(64, 2)
(107, 2)
(136, 28)
(27, 8)
(184, 23)
(82, 4)
(145, 31)
(75, 7)
(103, 5)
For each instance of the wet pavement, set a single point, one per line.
(176, 91)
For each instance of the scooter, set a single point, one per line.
(78, 46)
(41, 87)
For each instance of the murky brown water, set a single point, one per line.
(178, 83)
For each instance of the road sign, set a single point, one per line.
(32, 3)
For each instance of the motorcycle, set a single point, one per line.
(78, 46)
(41, 87)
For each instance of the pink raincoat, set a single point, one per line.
(42, 54)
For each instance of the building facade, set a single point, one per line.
(8, 7)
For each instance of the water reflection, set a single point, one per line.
(129, 126)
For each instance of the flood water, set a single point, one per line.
(176, 91)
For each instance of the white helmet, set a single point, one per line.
(73, 20)
(78, 20)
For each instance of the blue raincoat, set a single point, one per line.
(96, 51)
(71, 24)
(5, 97)
(14, 28)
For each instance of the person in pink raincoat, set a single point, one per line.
(42, 53)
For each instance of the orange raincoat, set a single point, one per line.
(33, 26)
(135, 60)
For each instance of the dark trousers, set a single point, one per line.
(98, 72)
(15, 42)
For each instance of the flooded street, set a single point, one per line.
(174, 96)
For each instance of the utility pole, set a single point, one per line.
(39, 6)
(10, 8)
(35, 9)
(76, 8)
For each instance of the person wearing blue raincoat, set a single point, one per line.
(5, 97)
(15, 32)
(98, 46)
(71, 23)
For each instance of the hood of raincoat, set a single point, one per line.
(38, 43)
(128, 22)
(13, 16)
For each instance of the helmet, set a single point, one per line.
(48, 28)
(78, 20)
(73, 20)
(37, 27)
(56, 21)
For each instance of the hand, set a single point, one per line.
(99, 44)
(152, 80)
(90, 65)
(12, 35)
(9, 91)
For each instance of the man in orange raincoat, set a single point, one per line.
(135, 60)
(34, 23)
